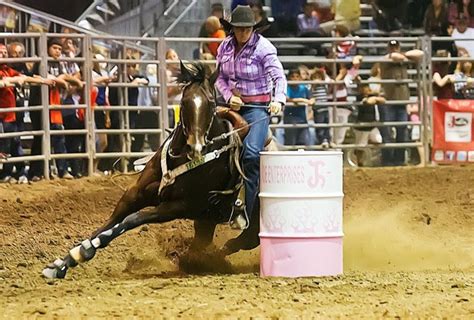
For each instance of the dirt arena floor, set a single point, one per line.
(408, 253)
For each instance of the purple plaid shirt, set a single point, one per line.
(255, 70)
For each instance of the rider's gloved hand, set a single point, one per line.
(235, 103)
(274, 107)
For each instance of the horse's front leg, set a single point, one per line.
(164, 212)
(203, 234)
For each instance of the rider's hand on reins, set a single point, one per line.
(274, 107)
(235, 103)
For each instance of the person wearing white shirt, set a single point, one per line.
(462, 31)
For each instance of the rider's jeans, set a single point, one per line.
(253, 143)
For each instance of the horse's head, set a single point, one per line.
(197, 106)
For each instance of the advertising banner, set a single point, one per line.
(453, 128)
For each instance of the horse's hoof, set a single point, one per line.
(56, 270)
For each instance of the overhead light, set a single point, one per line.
(96, 17)
(105, 9)
(115, 3)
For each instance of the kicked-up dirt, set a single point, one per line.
(408, 253)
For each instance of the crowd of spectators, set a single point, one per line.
(20, 86)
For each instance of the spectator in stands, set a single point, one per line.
(17, 50)
(443, 81)
(436, 22)
(62, 82)
(343, 48)
(217, 10)
(101, 78)
(346, 13)
(214, 30)
(375, 75)
(73, 118)
(339, 93)
(295, 113)
(463, 81)
(10, 77)
(136, 118)
(319, 95)
(397, 69)
(462, 31)
(305, 74)
(308, 21)
(175, 92)
(148, 96)
(389, 15)
(368, 112)
(264, 25)
(461, 8)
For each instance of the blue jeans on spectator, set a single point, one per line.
(253, 143)
(6, 145)
(322, 133)
(391, 156)
(74, 143)
(58, 146)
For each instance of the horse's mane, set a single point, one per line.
(194, 72)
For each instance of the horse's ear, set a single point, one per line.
(214, 75)
(186, 74)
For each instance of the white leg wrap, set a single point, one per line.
(96, 242)
(58, 262)
(75, 253)
(86, 244)
(107, 232)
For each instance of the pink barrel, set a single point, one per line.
(301, 213)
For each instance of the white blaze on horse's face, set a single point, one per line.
(197, 128)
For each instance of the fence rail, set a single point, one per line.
(420, 81)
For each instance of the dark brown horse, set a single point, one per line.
(192, 176)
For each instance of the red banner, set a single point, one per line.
(453, 127)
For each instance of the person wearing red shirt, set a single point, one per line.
(9, 77)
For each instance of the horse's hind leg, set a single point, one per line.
(164, 212)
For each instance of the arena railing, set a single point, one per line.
(421, 81)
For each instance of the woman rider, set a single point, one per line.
(251, 79)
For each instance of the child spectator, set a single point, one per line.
(295, 113)
(463, 82)
(308, 21)
(214, 30)
(375, 75)
(443, 82)
(319, 93)
(368, 112)
(62, 80)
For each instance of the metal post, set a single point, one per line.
(89, 120)
(128, 136)
(428, 109)
(46, 146)
(334, 108)
(421, 89)
(162, 76)
(123, 166)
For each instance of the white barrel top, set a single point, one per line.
(301, 173)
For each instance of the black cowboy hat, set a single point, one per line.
(242, 16)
